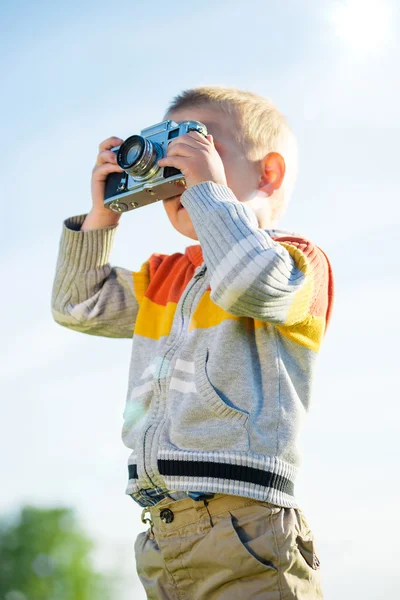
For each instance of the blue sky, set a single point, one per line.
(74, 74)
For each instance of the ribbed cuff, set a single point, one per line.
(85, 250)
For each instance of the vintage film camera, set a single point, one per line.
(143, 181)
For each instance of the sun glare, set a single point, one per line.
(366, 25)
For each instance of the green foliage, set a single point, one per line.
(45, 556)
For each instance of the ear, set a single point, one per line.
(273, 170)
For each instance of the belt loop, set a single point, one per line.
(145, 521)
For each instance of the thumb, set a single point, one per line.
(210, 139)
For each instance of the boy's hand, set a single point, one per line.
(106, 163)
(196, 157)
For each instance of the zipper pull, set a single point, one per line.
(201, 273)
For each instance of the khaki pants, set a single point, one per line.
(227, 548)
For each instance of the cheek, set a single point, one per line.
(170, 212)
(237, 181)
(241, 178)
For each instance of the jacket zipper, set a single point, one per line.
(196, 277)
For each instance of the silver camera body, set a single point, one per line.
(143, 181)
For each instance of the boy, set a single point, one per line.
(225, 338)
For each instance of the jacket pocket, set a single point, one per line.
(208, 395)
(199, 419)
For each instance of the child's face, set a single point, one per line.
(243, 177)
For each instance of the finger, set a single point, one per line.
(179, 142)
(179, 162)
(100, 172)
(110, 143)
(106, 156)
(199, 137)
(193, 138)
(180, 149)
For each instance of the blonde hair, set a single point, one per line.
(260, 129)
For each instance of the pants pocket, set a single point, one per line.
(307, 549)
(252, 545)
(239, 545)
(149, 561)
(306, 543)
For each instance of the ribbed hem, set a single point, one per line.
(262, 478)
(85, 250)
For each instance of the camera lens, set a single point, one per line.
(138, 157)
(134, 153)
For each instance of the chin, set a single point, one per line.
(187, 231)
